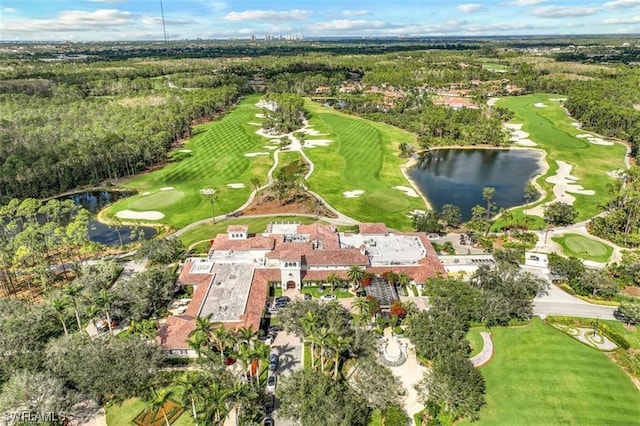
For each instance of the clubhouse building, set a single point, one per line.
(232, 283)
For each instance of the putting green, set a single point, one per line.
(552, 129)
(577, 245)
(156, 200)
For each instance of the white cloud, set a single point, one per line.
(563, 12)
(349, 13)
(621, 4)
(523, 2)
(268, 15)
(71, 20)
(7, 9)
(157, 20)
(469, 7)
(629, 20)
(340, 25)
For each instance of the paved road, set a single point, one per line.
(558, 302)
(289, 350)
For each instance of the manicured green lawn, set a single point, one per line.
(582, 247)
(550, 127)
(540, 376)
(216, 159)
(633, 337)
(363, 156)
(123, 414)
(313, 291)
(208, 231)
(474, 338)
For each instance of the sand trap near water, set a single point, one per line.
(167, 188)
(145, 193)
(255, 154)
(353, 194)
(130, 214)
(416, 212)
(408, 191)
(236, 185)
(539, 105)
(519, 136)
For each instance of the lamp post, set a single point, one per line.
(209, 193)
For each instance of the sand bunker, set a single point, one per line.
(353, 194)
(594, 139)
(270, 105)
(255, 154)
(145, 193)
(185, 150)
(539, 105)
(576, 124)
(130, 214)
(557, 99)
(408, 191)
(254, 123)
(616, 174)
(235, 185)
(563, 184)
(167, 188)
(259, 115)
(416, 212)
(492, 101)
(312, 143)
(518, 136)
(270, 147)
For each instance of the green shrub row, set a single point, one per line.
(603, 328)
(630, 361)
(567, 288)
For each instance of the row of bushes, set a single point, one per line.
(603, 328)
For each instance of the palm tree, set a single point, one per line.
(363, 306)
(146, 328)
(73, 290)
(158, 399)
(403, 280)
(334, 280)
(246, 335)
(104, 301)
(196, 342)
(60, 306)
(338, 345)
(261, 352)
(192, 385)
(323, 336)
(216, 407)
(222, 340)
(204, 328)
(309, 326)
(355, 274)
(241, 394)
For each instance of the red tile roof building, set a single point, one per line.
(289, 260)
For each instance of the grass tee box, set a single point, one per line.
(541, 376)
(213, 158)
(551, 128)
(363, 156)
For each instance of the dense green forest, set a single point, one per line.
(66, 124)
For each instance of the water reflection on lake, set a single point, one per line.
(94, 201)
(457, 176)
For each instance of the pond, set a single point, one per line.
(457, 176)
(94, 201)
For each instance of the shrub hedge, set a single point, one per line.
(603, 328)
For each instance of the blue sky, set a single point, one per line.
(94, 20)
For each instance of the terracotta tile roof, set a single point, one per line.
(299, 248)
(237, 228)
(373, 228)
(199, 293)
(325, 233)
(187, 278)
(257, 299)
(290, 255)
(173, 334)
(222, 242)
(336, 257)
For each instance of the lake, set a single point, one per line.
(457, 176)
(94, 201)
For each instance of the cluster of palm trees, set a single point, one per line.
(71, 297)
(211, 391)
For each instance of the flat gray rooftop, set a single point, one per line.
(389, 249)
(201, 267)
(227, 296)
(283, 228)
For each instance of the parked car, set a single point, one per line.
(274, 329)
(273, 362)
(271, 383)
(269, 422)
(328, 297)
(269, 403)
(283, 299)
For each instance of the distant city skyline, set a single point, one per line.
(113, 20)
